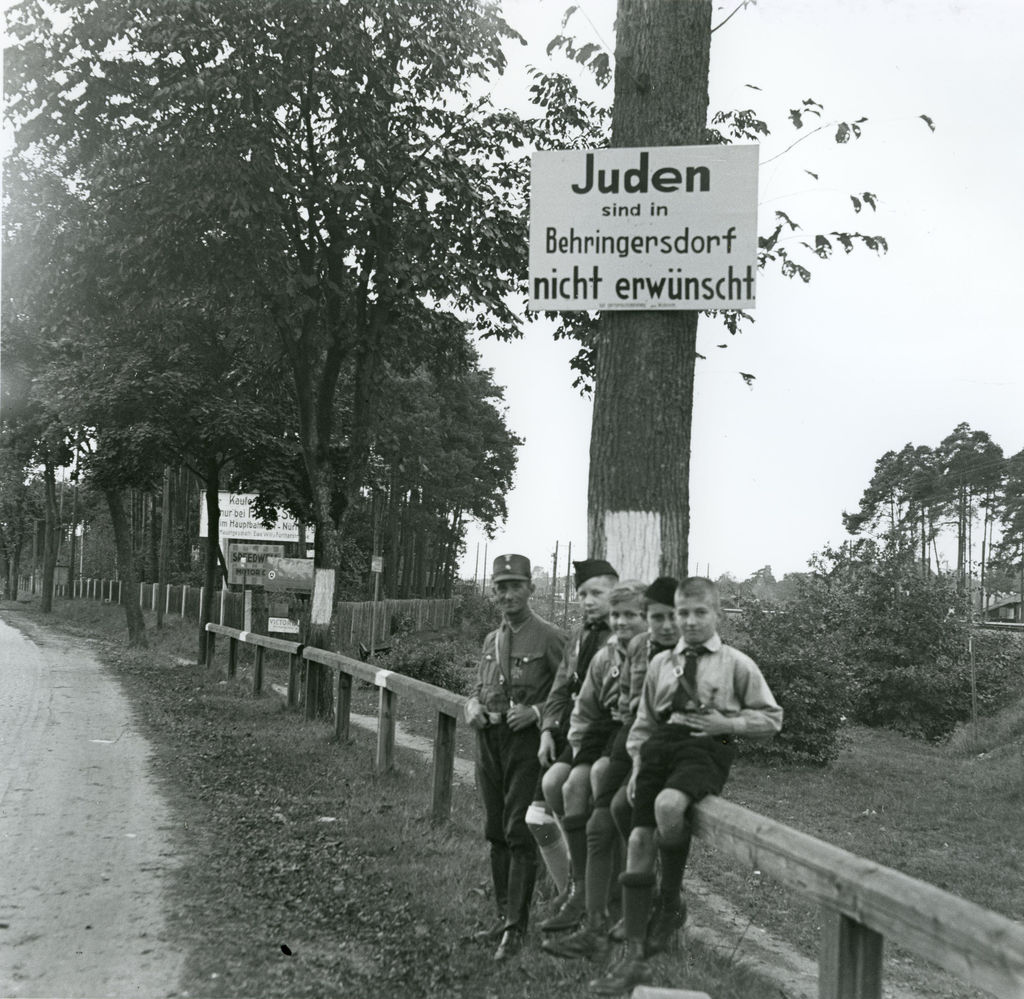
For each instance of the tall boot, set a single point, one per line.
(521, 879)
(500, 862)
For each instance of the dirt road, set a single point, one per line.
(84, 834)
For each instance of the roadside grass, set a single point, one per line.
(943, 813)
(302, 873)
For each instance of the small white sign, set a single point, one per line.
(376, 564)
(283, 625)
(665, 227)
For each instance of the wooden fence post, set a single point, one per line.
(211, 639)
(850, 964)
(293, 679)
(444, 766)
(386, 731)
(184, 598)
(232, 656)
(342, 706)
(257, 672)
(309, 705)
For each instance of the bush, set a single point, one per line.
(442, 662)
(475, 615)
(799, 658)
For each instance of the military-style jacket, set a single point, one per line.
(519, 667)
(599, 694)
(567, 683)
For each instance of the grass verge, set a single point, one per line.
(303, 874)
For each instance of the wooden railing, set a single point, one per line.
(863, 903)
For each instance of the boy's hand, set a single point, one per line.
(631, 788)
(546, 754)
(521, 716)
(708, 723)
(476, 717)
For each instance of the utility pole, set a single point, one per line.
(639, 495)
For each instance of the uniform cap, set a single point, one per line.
(510, 567)
(662, 590)
(591, 567)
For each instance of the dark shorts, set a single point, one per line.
(672, 758)
(597, 741)
(620, 766)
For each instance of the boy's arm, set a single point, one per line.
(760, 714)
(588, 702)
(558, 697)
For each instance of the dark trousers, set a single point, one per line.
(507, 771)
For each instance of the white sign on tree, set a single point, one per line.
(667, 227)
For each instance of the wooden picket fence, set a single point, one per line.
(358, 622)
(863, 904)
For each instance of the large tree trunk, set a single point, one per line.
(50, 529)
(210, 574)
(129, 577)
(639, 498)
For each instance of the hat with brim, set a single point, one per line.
(510, 567)
(591, 567)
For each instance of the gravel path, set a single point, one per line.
(84, 835)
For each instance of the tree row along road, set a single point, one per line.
(84, 836)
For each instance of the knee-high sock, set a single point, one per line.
(575, 829)
(673, 857)
(602, 840)
(549, 839)
(637, 898)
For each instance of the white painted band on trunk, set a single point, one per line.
(632, 543)
(322, 603)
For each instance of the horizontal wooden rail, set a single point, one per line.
(261, 644)
(390, 684)
(864, 904)
(978, 945)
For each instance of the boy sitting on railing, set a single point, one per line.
(695, 699)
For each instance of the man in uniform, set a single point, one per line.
(516, 670)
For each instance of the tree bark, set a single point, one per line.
(50, 528)
(639, 498)
(129, 577)
(212, 488)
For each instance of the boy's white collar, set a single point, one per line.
(713, 644)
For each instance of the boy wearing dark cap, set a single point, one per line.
(594, 727)
(696, 698)
(519, 661)
(609, 774)
(594, 579)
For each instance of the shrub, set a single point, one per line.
(475, 615)
(442, 662)
(799, 658)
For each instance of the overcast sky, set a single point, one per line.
(876, 351)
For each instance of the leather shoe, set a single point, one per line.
(585, 942)
(624, 977)
(510, 945)
(663, 929)
(490, 933)
(569, 916)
